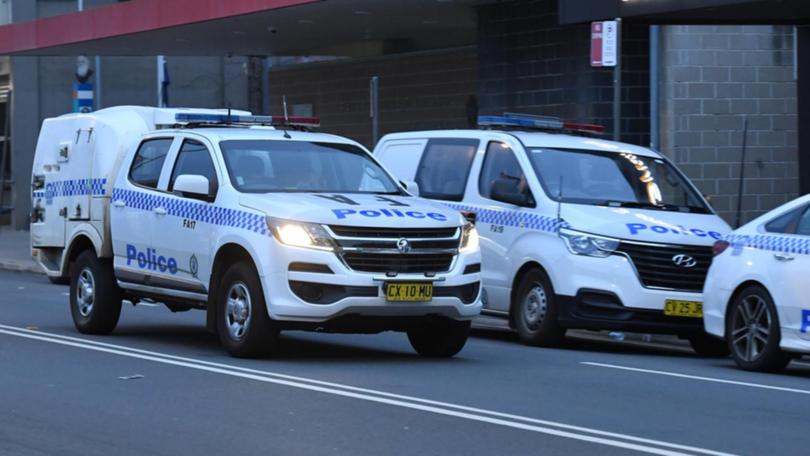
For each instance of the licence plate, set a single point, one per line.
(397, 292)
(678, 308)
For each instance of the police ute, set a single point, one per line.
(264, 225)
(758, 293)
(576, 231)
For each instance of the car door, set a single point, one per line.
(183, 241)
(132, 209)
(788, 268)
(499, 223)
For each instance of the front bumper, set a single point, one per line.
(606, 293)
(350, 293)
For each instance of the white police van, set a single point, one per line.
(265, 228)
(576, 231)
(757, 292)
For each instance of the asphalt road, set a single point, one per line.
(69, 394)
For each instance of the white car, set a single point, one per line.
(758, 288)
(576, 231)
(265, 229)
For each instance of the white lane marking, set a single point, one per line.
(380, 393)
(365, 394)
(698, 377)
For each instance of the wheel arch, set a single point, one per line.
(227, 254)
(80, 241)
(734, 294)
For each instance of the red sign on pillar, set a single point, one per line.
(596, 44)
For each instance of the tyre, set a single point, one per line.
(245, 330)
(752, 331)
(95, 299)
(534, 312)
(440, 338)
(708, 346)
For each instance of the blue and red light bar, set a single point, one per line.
(530, 122)
(278, 121)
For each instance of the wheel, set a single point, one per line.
(752, 331)
(245, 330)
(708, 346)
(440, 338)
(95, 299)
(534, 311)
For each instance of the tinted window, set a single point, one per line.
(445, 167)
(148, 162)
(785, 223)
(297, 166)
(501, 168)
(611, 179)
(194, 158)
(804, 224)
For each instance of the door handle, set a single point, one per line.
(119, 203)
(783, 257)
(159, 210)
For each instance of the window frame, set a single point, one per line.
(421, 165)
(213, 185)
(794, 215)
(156, 188)
(532, 202)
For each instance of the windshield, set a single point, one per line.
(266, 166)
(611, 179)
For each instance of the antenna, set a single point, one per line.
(286, 117)
(742, 174)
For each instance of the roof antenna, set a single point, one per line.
(286, 118)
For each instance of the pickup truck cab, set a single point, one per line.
(266, 228)
(576, 231)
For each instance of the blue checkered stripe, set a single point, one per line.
(193, 210)
(771, 243)
(72, 187)
(520, 219)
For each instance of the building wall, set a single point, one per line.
(421, 91)
(715, 77)
(529, 63)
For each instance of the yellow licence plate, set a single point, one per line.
(409, 292)
(677, 308)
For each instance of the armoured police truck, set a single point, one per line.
(256, 220)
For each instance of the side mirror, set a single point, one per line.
(193, 186)
(506, 191)
(411, 186)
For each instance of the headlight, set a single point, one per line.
(301, 234)
(589, 245)
(469, 238)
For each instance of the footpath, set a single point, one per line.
(15, 251)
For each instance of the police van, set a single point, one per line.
(576, 231)
(261, 223)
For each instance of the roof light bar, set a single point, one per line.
(532, 122)
(292, 121)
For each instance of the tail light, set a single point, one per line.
(719, 247)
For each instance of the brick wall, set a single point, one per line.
(417, 92)
(529, 63)
(713, 78)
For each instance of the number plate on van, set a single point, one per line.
(412, 292)
(677, 308)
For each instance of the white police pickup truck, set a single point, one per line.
(266, 228)
(576, 232)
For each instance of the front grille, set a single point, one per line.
(657, 269)
(392, 233)
(398, 263)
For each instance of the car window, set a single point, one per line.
(786, 223)
(803, 227)
(445, 167)
(148, 162)
(501, 168)
(194, 158)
